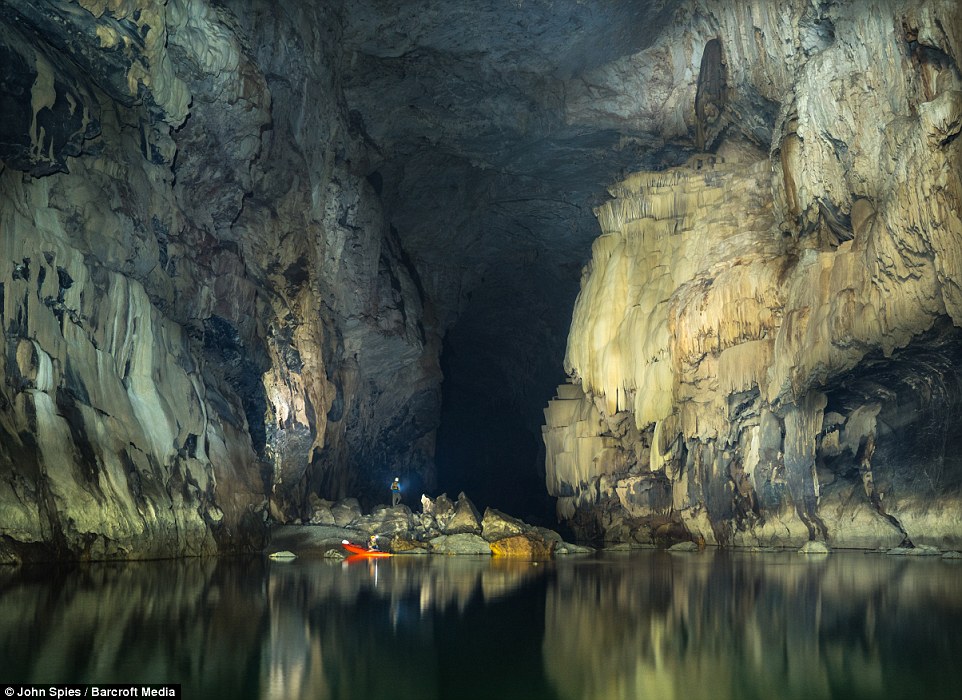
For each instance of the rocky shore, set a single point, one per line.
(443, 526)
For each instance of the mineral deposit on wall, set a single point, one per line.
(766, 345)
(205, 315)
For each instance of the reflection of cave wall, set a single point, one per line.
(150, 621)
(719, 626)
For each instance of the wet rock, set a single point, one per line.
(497, 525)
(8, 557)
(922, 550)
(530, 546)
(814, 548)
(547, 534)
(459, 544)
(684, 547)
(283, 555)
(406, 545)
(181, 363)
(570, 548)
(750, 314)
(425, 526)
(175, 358)
(465, 518)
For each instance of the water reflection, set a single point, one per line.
(380, 628)
(745, 626)
(150, 622)
(649, 625)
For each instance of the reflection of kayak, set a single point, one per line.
(358, 550)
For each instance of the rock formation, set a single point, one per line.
(237, 237)
(441, 527)
(766, 345)
(205, 314)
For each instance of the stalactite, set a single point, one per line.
(732, 297)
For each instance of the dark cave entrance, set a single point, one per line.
(489, 446)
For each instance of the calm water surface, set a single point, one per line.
(645, 625)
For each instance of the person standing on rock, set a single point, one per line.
(395, 492)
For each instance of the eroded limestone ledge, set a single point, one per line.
(765, 348)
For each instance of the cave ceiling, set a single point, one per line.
(494, 131)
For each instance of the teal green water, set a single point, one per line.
(642, 625)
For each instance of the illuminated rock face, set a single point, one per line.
(231, 238)
(766, 345)
(205, 315)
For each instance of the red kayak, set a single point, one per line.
(358, 550)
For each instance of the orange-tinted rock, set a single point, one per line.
(525, 546)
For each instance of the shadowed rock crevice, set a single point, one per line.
(896, 415)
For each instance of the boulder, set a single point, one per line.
(529, 546)
(922, 550)
(497, 525)
(427, 505)
(406, 545)
(814, 547)
(425, 527)
(283, 555)
(569, 548)
(346, 512)
(459, 544)
(442, 510)
(548, 535)
(7, 556)
(321, 512)
(465, 518)
(386, 520)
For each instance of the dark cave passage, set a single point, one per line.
(488, 450)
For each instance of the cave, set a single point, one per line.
(643, 271)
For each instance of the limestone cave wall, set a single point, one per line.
(765, 349)
(205, 315)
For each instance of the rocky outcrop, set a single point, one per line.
(206, 316)
(442, 527)
(766, 342)
(529, 547)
